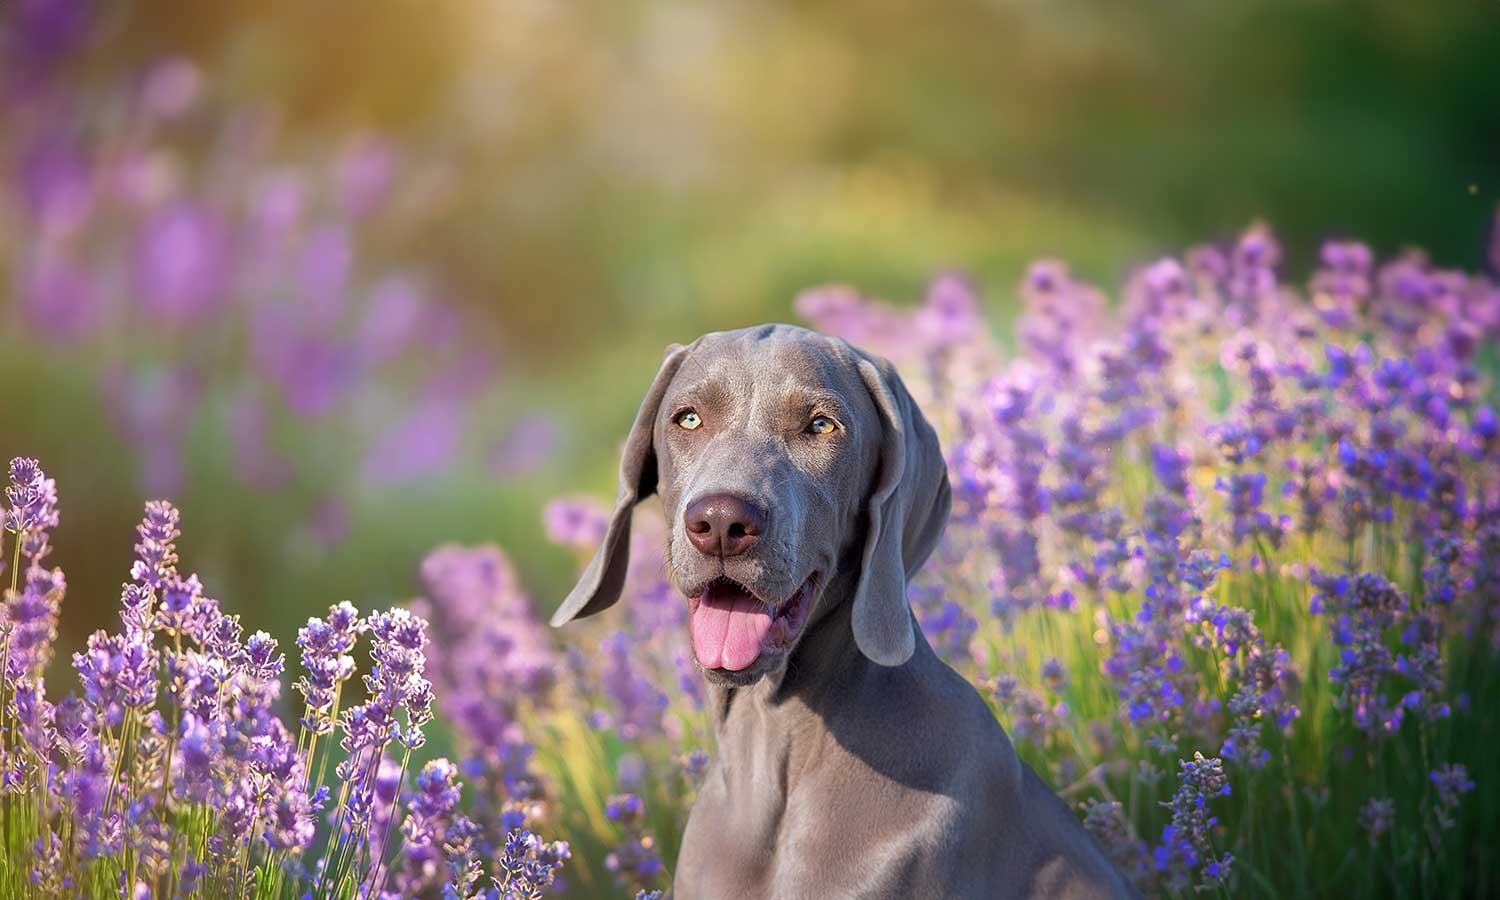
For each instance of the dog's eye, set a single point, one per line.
(689, 420)
(822, 425)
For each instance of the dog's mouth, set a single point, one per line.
(732, 627)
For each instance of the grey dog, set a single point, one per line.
(802, 486)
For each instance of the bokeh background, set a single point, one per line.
(349, 280)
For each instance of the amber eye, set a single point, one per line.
(822, 425)
(689, 420)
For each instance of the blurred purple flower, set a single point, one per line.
(182, 262)
(366, 173)
(531, 441)
(42, 32)
(1185, 856)
(424, 441)
(326, 267)
(330, 521)
(60, 300)
(260, 465)
(578, 523)
(1451, 781)
(393, 315)
(170, 88)
(950, 313)
(32, 514)
(57, 184)
(1376, 818)
(430, 813)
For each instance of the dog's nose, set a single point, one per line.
(723, 524)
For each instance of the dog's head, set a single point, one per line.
(780, 456)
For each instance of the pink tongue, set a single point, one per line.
(728, 627)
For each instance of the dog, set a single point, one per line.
(802, 487)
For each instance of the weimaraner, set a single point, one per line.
(802, 486)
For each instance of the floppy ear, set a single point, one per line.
(908, 509)
(603, 578)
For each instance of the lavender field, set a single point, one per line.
(1224, 556)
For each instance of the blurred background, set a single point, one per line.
(349, 280)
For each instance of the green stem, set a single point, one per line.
(126, 730)
(357, 851)
(244, 866)
(166, 772)
(375, 885)
(15, 573)
(333, 716)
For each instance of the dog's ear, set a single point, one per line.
(908, 509)
(603, 578)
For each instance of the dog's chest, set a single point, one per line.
(758, 831)
(729, 845)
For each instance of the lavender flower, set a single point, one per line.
(184, 741)
(527, 865)
(1186, 851)
(30, 619)
(1107, 822)
(634, 860)
(156, 552)
(431, 810)
(576, 523)
(32, 512)
(1451, 781)
(1362, 611)
(1376, 817)
(182, 262)
(326, 646)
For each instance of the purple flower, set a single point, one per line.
(1362, 612)
(464, 866)
(182, 262)
(1110, 826)
(576, 523)
(1252, 271)
(32, 513)
(366, 173)
(950, 313)
(170, 87)
(530, 443)
(527, 865)
(151, 409)
(260, 465)
(1376, 817)
(326, 646)
(60, 299)
(30, 618)
(495, 652)
(326, 266)
(637, 705)
(1185, 855)
(1342, 286)
(1451, 781)
(57, 179)
(262, 658)
(424, 441)
(1062, 315)
(634, 860)
(430, 812)
(392, 318)
(156, 552)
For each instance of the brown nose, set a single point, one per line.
(723, 524)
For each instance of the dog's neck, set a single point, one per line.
(772, 732)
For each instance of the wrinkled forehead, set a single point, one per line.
(778, 361)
